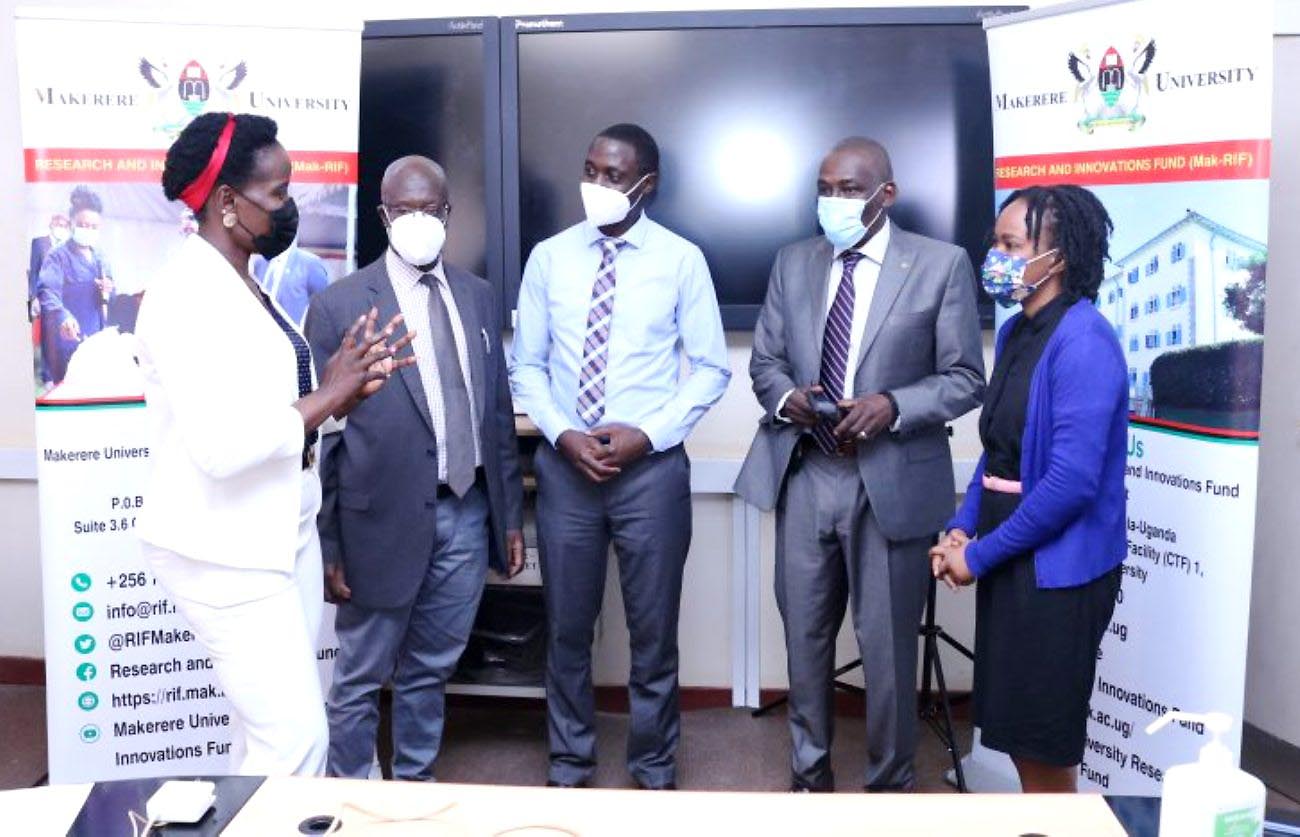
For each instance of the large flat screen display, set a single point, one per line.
(430, 87)
(744, 106)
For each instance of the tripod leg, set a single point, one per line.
(949, 734)
(836, 683)
(931, 651)
(768, 707)
(928, 630)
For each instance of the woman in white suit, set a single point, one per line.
(229, 524)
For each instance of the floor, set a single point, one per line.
(721, 749)
(22, 736)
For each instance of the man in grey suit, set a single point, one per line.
(867, 344)
(421, 488)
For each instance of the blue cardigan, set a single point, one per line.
(1073, 453)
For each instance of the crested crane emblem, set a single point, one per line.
(193, 87)
(1112, 93)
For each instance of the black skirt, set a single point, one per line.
(1035, 654)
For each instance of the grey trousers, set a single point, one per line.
(646, 513)
(416, 647)
(829, 552)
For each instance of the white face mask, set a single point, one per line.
(86, 236)
(841, 219)
(59, 234)
(605, 206)
(417, 237)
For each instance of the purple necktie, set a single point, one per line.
(595, 347)
(835, 349)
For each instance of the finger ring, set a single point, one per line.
(862, 434)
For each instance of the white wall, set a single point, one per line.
(1273, 664)
(20, 579)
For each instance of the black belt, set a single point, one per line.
(444, 490)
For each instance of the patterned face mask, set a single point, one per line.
(1003, 276)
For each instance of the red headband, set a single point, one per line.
(196, 194)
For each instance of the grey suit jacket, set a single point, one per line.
(921, 343)
(379, 475)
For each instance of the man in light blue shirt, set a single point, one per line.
(292, 279)
(604, 309)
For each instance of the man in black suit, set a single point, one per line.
(422, 487)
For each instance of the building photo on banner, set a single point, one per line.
(128, 690)
(1116, 99)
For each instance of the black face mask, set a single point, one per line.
(284, 228)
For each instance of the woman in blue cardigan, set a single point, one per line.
(1042, 526)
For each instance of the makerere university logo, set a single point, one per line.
(192, 87)
(1111, 93)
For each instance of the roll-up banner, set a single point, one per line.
(1163, 109)
(129, 690)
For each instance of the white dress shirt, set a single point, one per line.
(865, 277)
(413, 300)
(663, 302)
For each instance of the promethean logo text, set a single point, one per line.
(544, 23)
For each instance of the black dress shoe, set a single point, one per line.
(665, 786)
(883, 788)
(799, 787)
(551, 783)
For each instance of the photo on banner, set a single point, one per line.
(81, 292)
(1168, 122)
(129, 691)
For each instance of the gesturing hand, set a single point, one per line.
(587, 455)
(388, 363)
(363, 363)
(625, 445)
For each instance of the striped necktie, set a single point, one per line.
(595, 347)
(835, 349)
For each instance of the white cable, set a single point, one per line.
(383, 819)
(136, 821)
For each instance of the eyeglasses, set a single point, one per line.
(392, 213)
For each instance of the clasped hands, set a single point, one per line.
(601, 453)
(948, 560)
(861, 419)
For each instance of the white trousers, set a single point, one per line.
(259, 628)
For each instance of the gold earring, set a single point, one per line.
(229, 219)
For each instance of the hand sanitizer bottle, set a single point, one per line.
(1209, 796)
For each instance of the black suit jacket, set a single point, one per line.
(40, 248)
(380, 475)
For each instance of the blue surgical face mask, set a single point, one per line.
(1003, 276)
(841, 219)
